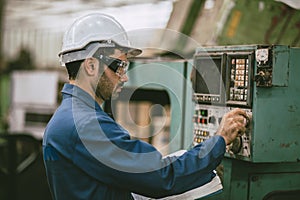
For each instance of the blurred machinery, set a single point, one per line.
(22, 174)
(34, 98)
(32, 101)
(264, 162)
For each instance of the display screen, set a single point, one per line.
(207, 75)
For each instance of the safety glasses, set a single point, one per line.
(114, 64)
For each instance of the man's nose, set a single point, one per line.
(124, 78)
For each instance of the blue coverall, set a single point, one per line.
(87, 155)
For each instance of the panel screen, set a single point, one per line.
(207, 79)
(208, 76)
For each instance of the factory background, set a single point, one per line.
(169, 32)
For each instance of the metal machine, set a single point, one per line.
(264, 162)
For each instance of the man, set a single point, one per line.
(88, 155)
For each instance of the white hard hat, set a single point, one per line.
(94, 28)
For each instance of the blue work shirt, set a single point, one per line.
(87, 155)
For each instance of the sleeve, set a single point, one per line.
(106, 153)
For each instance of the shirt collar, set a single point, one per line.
(79, 93)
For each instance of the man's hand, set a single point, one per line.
(233, 123)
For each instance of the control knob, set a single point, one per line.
(236, 145)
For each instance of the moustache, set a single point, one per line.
(120, 84)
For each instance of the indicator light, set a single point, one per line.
(203, 113)
(203, 121)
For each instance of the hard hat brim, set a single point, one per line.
(90, 49)
(133, 52)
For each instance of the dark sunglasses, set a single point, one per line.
(113, 63)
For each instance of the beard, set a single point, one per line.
(106, 89)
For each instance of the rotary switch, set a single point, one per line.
(236, 145)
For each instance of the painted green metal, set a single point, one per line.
(173, 77)
(244, 181)
(276, 111)
(274, 166)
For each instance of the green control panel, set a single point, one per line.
(263, 80)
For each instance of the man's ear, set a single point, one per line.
(89, 66)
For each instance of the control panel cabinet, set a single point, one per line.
(263, 80)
